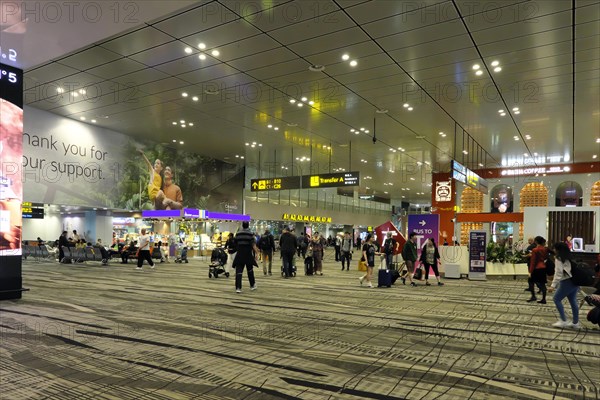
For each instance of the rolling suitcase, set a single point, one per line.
(384, 278)
(395, 275)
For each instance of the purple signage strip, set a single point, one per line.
(193, 213)
(161, 213)
(230, 217)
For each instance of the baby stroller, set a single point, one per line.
(218, 259)
(182, 255)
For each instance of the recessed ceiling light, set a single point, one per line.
(495, 63)
(515, 109)
(182, 121)
(183, 125)
(195, 98)
(479, 72)
(441, 133)
(276, 128)
(353, 63)
(595, 156)
(476, 67)
(502, 114)
(304, 99)
(517, 112)
(409, 108)
(300, 104)
(345, 57)
(316, 68)
(292, 101)
(598, 140)
(93, 121)
(500, 111)
(82, 91)
(385, 192)
(201, 46)
(535, 154)
(247, 144)
(191, 124)
(181, 142)
(362, 129)
(174, 141)
(356, 132)
(465, 152)
(497, 69)
(202, 56)
(311, 102)
(527, 137)
(269, 126)
(82, 118)
(406, 105)
(260, 145)
(352, 130)
(188, 50)
(60, 90)
(366, 131)
(215, 53)
(184, 94)
(516, 138)
(412, 179)
(480, 164)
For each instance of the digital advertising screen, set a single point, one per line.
(11, 186)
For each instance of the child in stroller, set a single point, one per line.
(218, 259)
(182, 256)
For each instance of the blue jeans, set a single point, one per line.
(569, 290)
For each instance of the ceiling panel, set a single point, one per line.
(50, 72)
(313, 28)
(221, 35)
(247, 47)
(140, 77)
(330, 42)
(275, 58)
(199, 18)
(90, 58)
(137, 41)
(290, 13)
(186, 64)
(379, 10)
(119, 67)
(160, 54)
(208, 74)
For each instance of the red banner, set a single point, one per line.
(382, 230)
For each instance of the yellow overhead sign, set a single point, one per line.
(306, 218)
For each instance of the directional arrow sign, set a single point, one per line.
(425, 226)
(422, 223)
(282, 183)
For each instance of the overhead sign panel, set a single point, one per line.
(283, 183)
(339, 179)
(468, 177)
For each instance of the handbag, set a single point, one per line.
(418, 273)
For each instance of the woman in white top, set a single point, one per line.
(566, 287)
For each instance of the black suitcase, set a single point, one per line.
(395, 275)
(308, 266)
(384, 278)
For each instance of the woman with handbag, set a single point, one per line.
(430, 258)
(566, 288)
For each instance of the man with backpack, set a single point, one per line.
(266, 244)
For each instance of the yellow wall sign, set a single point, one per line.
(306, 218)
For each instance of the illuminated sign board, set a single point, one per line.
(283, 183)
(194, 213)
(32, 210)
(464, 175)
(11, 184)
(306, 218)
(535, 170)
(306, 181)
(338, 179)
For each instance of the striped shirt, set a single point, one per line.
(244, 240)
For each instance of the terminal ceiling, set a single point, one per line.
(420, 53)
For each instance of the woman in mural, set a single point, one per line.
(155, 193)
(173, 198)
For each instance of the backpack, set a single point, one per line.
(582, 274)
(550, 266)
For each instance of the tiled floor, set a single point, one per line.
(92, 332)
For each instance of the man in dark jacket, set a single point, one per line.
(409, 254)
(287, 243)
(267, 247)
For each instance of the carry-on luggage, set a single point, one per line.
(308, 266)
(384, 278)
(395, 275)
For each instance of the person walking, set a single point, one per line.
(337, 246)
(430, 258)
(368, 255)
(566, 287)
(245, 243)
(287, 244)
(409, 254)
(317, 244)
(390, 247)
(537, 269)
(144, 251)
(231, 250)
(267, 247)
(346, 251)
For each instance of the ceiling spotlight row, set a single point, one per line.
(367, 177)
(516, 138)
(302, 159)
(363, 161)
(284, 167)
(404, 188)
(276, 128)
(442, 134)
(182, 123)
(407, 106)
(302, 101)
(253, 144)
(495, 64)
(339, 170)
(202, 56)
(175, 141)
(352, 63)
(357, 131)
(238, 156)
(185, 95)
(93, 121)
